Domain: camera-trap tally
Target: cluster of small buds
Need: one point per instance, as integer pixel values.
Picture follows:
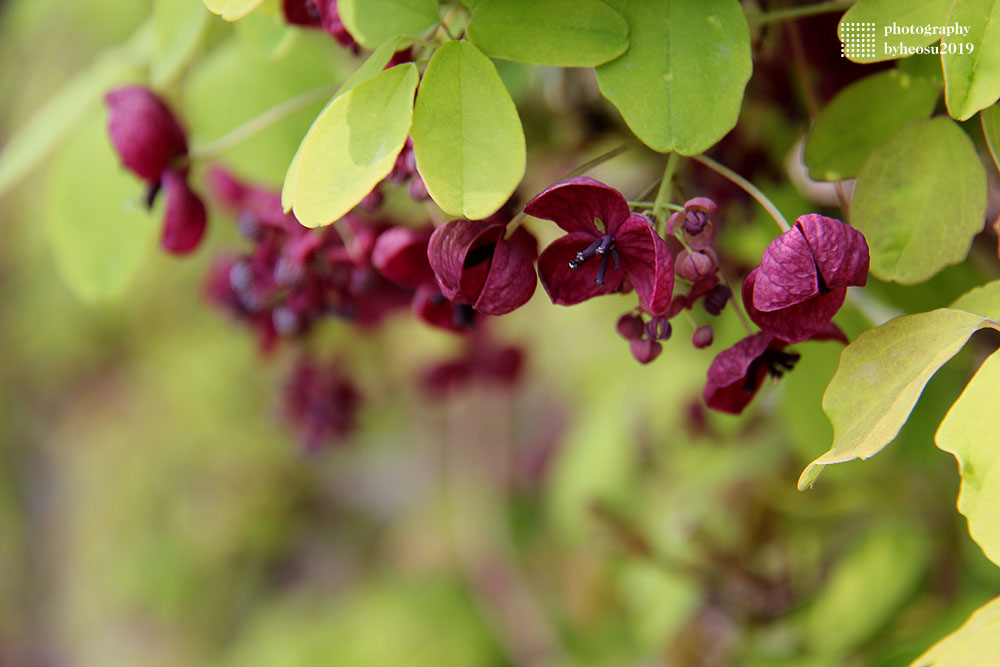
(644, 337)
(152, 144)
(696, 260)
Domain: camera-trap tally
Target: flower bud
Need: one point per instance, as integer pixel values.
(630, 327)
(694, 265)
(645, 351)
(703, 336)
(144, 132)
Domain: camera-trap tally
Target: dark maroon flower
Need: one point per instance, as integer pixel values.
(400, 254)
(184, 216)
(694, 222)
(476, 266)
(695, 265)
(737, 374)
(803, 277)
(605, 245)
(645, 350)
(702, 337)
(144, 132)
(320, 403)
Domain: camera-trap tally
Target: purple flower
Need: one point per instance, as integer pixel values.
(476, 266)
(803, 277)
(605, 245)
(144, 132)
(320, 403)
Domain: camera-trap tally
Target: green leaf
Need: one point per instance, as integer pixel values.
(972, 80)
(887, 13)
(865, 589)
(231, 10)
(64, 111)
(467, 136)
(862, 117)
(880, 378)
(352, 146)
(371, 22)
(558, 33)
(97, 223)
(265, 33)
(969, 431)
(679, 86)
(983, 300)
(178, 27)
(990, 118)
(978, 638)
(920, 199)
(369, 69)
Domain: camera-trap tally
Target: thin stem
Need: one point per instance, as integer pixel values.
(600, 159)
(651, 204)
(747, 186)
(790, 13)
(260, 123)
(663, 194)
(736, 305)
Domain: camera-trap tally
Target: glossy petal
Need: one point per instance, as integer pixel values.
(459, 253)
(840, 251)
(733, 379)
(184, 217)
(566, 286)
(787, 273)
(144, 132)
(574, 204)
(510, 282)
(798, 322)
(400, 254)
(647, 262)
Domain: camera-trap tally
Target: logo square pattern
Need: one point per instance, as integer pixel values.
(857, 40)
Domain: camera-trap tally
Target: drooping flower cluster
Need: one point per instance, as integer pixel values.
(152, 144)
(792, 296)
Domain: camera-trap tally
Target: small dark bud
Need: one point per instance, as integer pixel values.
(645, 351)
(694, 265)
(703, 337)
(716, 299)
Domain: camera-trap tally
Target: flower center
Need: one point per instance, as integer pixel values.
(603, 247)
(775, 362)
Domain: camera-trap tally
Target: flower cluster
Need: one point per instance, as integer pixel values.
(152, 144)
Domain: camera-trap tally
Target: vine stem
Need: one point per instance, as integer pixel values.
(260, 123)
(790, 13)
(747, 186)
(663, 193)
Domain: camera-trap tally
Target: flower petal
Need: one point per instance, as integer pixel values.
(839, 250)
(575, 203)
(566, 286)
(459, 253)
(729, 389)
(431, 306)
(510, 282)
(645, 350)
(184, 217)
(787, 273)
(144, 132)
(647, 262)
(400, 254)
(798, 322)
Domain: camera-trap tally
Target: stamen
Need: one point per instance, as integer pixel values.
(599, 247)
(602, 269)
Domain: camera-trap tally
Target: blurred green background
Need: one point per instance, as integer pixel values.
(155, 511)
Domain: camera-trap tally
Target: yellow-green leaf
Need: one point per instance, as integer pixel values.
(990, 118)
(970, 431)
(371, 22)
(352, 146)
(977, 642)
(467, 136)
(178, 26)
(679, 86)
(972, 78)
(983, 300)
(880, 378)
(231, 10)
(96, 220)
(920, 200)
(884, 14)
(557, 33)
